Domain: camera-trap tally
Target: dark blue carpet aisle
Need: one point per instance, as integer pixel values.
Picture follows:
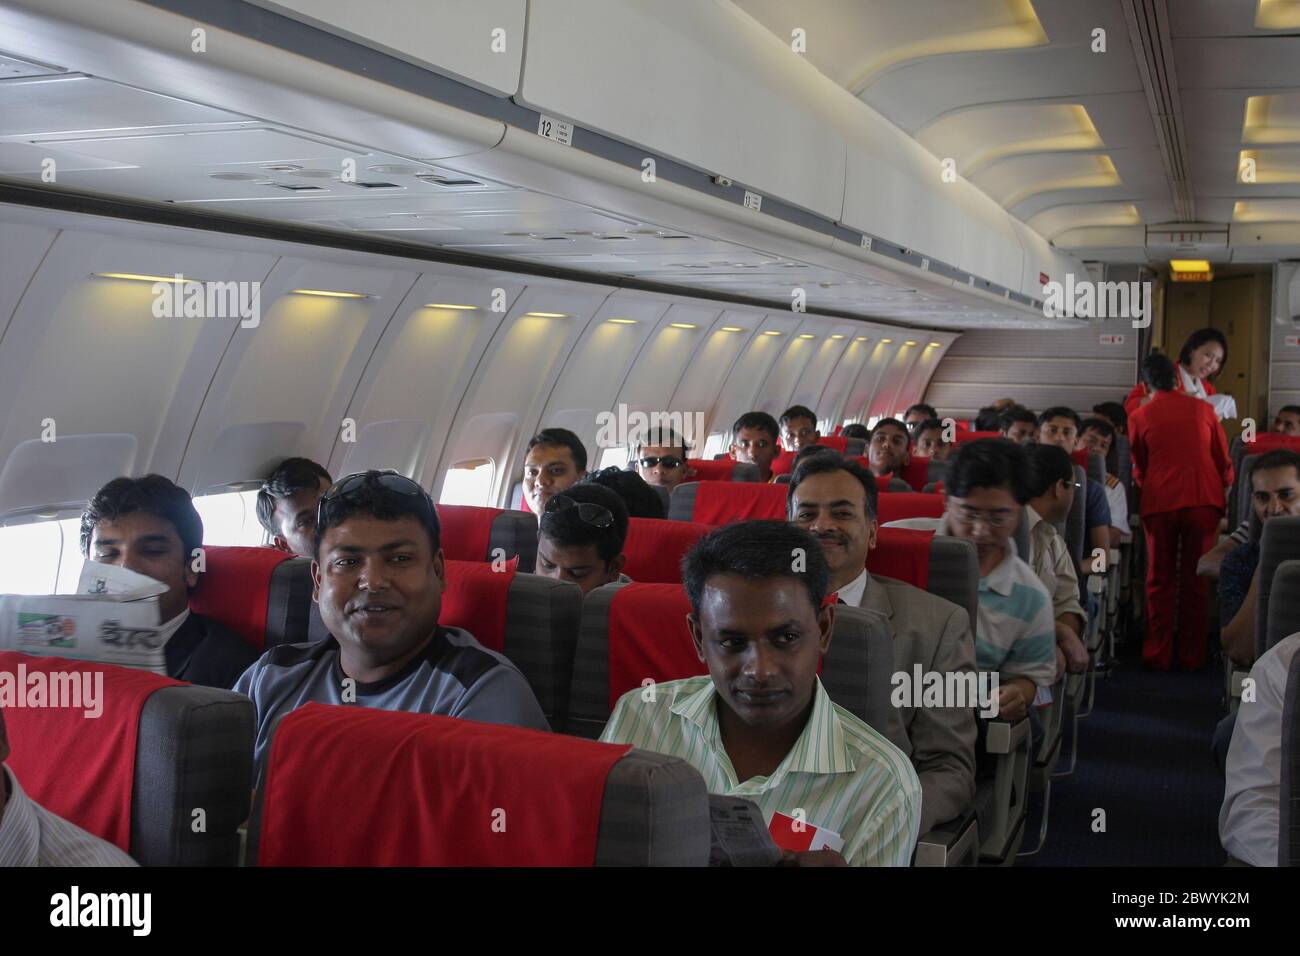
(1144, 758)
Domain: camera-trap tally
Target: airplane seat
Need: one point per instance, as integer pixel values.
(623, 643)
(1239, 493)
(722, 502)
(655, 548)
(1288, 845)
(935, 471)
(783, 463)
(944, 566)
(916, 473)
(842, 444)
(910, 504)
(962, 437)
(725, 469)
(134, 776)
(517, 500)
(1073, 529)
(258, 593)
(471, 533)
(1279, 543)
(485, 795)
(1021, 536)
(852, 447)
(1283, 611)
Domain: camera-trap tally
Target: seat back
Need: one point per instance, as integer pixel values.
(945, 566)
(1238, 452)
(471, 533)
(251, 591)
(154, 751)
(899, 505)
(1074, 529)
(1120, 464)
(655, 548)
(421, 790)
(721, 469)
(916, 473)
(633, 633)
(1021, 536)
(962, 437)
(1283, 614)
(722, 502)
(935, 471)
(1279, 542)
(1288, 844)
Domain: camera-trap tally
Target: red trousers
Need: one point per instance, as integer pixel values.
(1177, 604)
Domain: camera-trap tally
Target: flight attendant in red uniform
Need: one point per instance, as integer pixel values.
(1181, 463)
(1202, 355)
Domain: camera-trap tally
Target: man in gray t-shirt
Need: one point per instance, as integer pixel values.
(379, 577)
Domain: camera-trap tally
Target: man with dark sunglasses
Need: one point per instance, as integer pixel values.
(379, 576)
(661, 458)
(580, 537)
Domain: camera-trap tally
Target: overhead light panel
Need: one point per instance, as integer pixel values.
(807, 335)
(330, 295)
(934, 345)
(547, 315)
(134, 277)
(448, 305)
(683, 325)
(771, 332)
(861, 338)
(886, 341)
(909, 342)
(732, 328)
(622, 321)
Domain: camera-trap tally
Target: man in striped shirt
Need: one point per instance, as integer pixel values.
(761, 725)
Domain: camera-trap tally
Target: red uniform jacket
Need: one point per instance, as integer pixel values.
(1141, 391)
(1180, 454)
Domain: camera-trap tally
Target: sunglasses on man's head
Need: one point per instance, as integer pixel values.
(598, 516)
(669, 461)
(352, 484)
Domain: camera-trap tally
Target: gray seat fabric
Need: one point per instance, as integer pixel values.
(1283, 613)
(515, 533)
(935, 471)
(954, 574)
(1241, 491)
(854, 446)
(744, 471)
(194, 751)
(1121, 460)
(681, 503)
(1236, 452)
(898, 484)
(1021, 536)
(1075, 530)
(1288, 844)
(1279, 542)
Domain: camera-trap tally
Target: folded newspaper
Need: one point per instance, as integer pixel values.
(112, 619)
(739, 835)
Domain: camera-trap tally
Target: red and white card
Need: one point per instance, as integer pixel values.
(791, 833)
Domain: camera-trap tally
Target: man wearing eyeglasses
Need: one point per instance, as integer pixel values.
(580, 537)
(1052, 489)
(378, 578)
(755, 442)
(1015, 634)
(661, 458)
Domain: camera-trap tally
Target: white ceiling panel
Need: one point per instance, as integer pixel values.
(49, 106)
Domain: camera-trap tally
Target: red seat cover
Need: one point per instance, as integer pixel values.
(902, 553)
(908, 504)
(354, 786)
(475, 599)
(648, 638)
(1268, 441)
(1080, 457)
(962, 437)
(838, 442)
(78, 767)
(783, 463)
(655, 548)
(708, 469)
(722, 502)
(916, 472)
(466, 531)
(235, 589)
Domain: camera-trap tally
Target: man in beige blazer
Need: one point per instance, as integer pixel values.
(836, 500)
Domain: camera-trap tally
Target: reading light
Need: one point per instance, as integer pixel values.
(622, 321)
(547, 315)
(1189, 265)
(807, 335)
(143, 278)
(934, 345)
(837, 335)
(331, 295)
(682, 325)
(886, 341)
(771, 332)
(448, 305)
(861, 338)
(732, 328)
(909, 343)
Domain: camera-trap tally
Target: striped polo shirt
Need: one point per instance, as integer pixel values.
(840, 772)
(1015, 631)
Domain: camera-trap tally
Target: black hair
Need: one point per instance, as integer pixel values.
(152, 494)
(1098, 425)
(1199, 338)
(856, 430)
(757, 550)
(924, 426)
(927, 410)
(565, 526)
(988, 463)
(555, 437)
(1016, 414)
(825, 464)
(1115, 412)
(798, 411)
(890, 421)
(289, 477)
(640, 500)
(1290, 409)
(1059, 411)
(373, 500)
(1158, 372)
(1277, 458)
(1047, 464)
(663, 437)
(987, 419)
(760, 420)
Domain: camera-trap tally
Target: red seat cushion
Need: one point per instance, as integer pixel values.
(655, 548)
(722, 502)
(908, 504)
(421, 790)
(235, 589)
(475, 599)
(648, 638)
(707, 469)
(1080, 457)
(838, 442)
(783, 463)
(962, 437)
(1268, 441)
(466, 531)
(79, 767)
(902, 553)
(916, 472)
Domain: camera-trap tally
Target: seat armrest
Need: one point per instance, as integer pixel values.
(1004, 736)
(952, 843)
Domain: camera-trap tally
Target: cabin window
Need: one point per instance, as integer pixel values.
(31, 556)
(469, 483)
(230, 519)
(615, 457)
(715, 444)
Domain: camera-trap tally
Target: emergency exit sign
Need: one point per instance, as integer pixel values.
(1111, 338)
(1293, 341)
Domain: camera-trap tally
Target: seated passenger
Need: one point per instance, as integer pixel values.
(580, 537)
(1211, 562)
(835, 500)
(1287, 421)
(1096, 435)
(918, 413)
(761, 725)
(856, 430)
(149, 526)
(379, 578)
(556, 459)
(988, 419)
(929, 441)
(1014, 634)
(286, 504)
(887, 452)
(1249, 819)
(32, 836)
(640, 499)
(1019, 424)
(755, 441)
(799, 428)
(1113, 413)
(1274, 493)
(1060, 426)
(661, 458)
(1050, 480)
